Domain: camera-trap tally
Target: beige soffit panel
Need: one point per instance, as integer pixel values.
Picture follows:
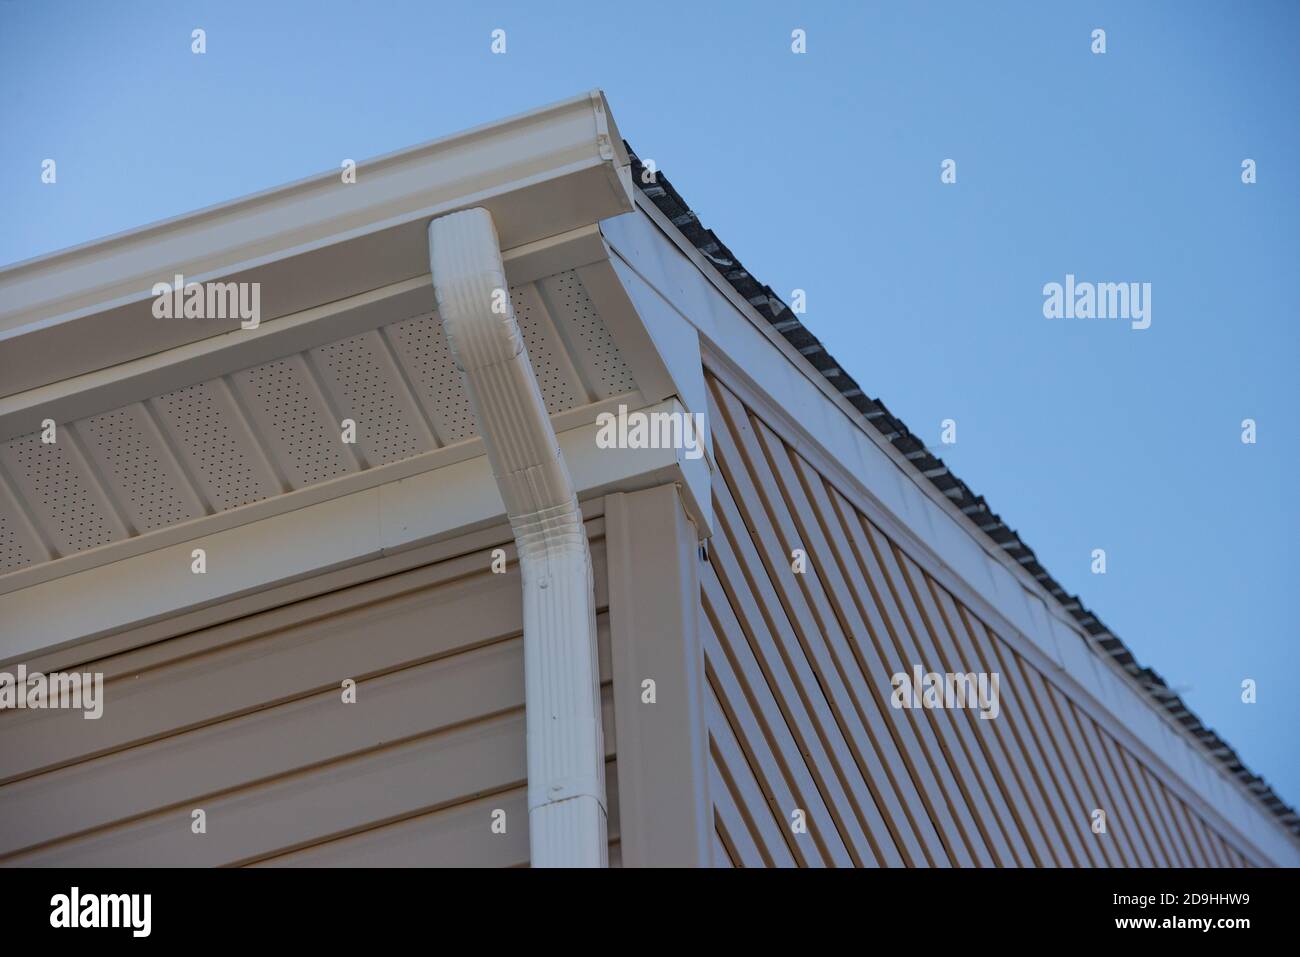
(318, 240)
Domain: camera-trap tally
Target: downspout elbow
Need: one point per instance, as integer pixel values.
(566, 766)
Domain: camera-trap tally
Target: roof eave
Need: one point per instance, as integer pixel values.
(540, 174)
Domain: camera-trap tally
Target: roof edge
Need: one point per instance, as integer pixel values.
(324, 238)
(982, 521)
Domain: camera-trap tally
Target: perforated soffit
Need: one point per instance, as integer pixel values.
(276, 427)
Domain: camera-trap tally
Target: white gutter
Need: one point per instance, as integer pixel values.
(566, 764)
(317, 241)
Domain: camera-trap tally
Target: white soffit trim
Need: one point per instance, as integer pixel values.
(540, 173)
(823, 425)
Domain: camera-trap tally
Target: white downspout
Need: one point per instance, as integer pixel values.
(566, 754)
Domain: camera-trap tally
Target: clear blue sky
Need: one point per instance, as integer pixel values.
(821, 172)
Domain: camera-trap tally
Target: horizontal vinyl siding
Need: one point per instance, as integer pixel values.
(245, 720)
(799, 713)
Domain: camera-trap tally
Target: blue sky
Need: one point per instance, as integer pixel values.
(821, 171)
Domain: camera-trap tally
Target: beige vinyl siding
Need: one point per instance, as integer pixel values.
(798, 669)
(244, 719)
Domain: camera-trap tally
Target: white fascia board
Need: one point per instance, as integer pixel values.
(148, 586)
(316, 241)
(826, 428)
